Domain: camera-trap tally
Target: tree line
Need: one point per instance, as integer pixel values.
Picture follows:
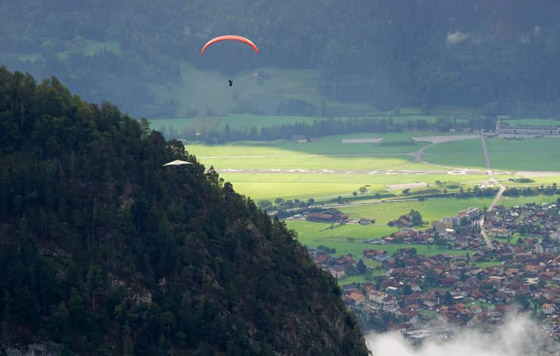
(327, 127)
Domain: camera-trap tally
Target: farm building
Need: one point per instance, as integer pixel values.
(331, 215)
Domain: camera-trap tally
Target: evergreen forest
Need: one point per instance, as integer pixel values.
(103, 251)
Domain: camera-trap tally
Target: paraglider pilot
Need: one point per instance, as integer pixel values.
(230, 82)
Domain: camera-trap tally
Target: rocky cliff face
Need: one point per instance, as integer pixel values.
(46, 349)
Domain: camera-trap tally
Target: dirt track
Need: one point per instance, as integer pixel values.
(441, 139)
(362, 140)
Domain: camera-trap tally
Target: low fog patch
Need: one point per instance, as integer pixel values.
(517, 336)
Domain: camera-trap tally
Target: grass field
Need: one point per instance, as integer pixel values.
(513, 155)
(533, 122)
(208, 92)
(327, 167)
(350, 238)
(464, 154)
(263, 89)
(508, 202)
(322, 186)
(356, 247)
(306, 162)
(177, 124)
(337, 168)
(435, 209)
(431, 209)
(529, 154)
(471, 161)
(327, 145)
(326, 153)
(473, 146)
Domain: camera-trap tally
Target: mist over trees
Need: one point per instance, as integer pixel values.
(479, 53)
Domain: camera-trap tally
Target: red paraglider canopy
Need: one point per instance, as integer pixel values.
(229, 38)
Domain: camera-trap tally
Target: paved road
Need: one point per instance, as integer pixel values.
(418, 154)
(487, 159)
(491, 182)
(497, 198)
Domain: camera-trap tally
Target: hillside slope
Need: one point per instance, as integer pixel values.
(104, 251)
(479, 53)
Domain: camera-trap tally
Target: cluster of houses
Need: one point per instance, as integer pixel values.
(419, 288)
(464, 217)
(338, 267)
(474, 288)
(406, 221)
(457, 232)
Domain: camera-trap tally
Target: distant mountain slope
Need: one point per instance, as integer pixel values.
(104, 251)
(478, 53)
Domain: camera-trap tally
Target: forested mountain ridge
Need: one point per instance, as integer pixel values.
(477, 53)
(104, 251)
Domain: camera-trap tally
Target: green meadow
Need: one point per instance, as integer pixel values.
(467, 160)
(350, 238)
(321, 186)
(464, 154)
(328, 168)
(356, 246)
(323, 168)
(305, 162)
(529, 154)
(533, 122)
(431, 209)
(264, 89)
(472, 146)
